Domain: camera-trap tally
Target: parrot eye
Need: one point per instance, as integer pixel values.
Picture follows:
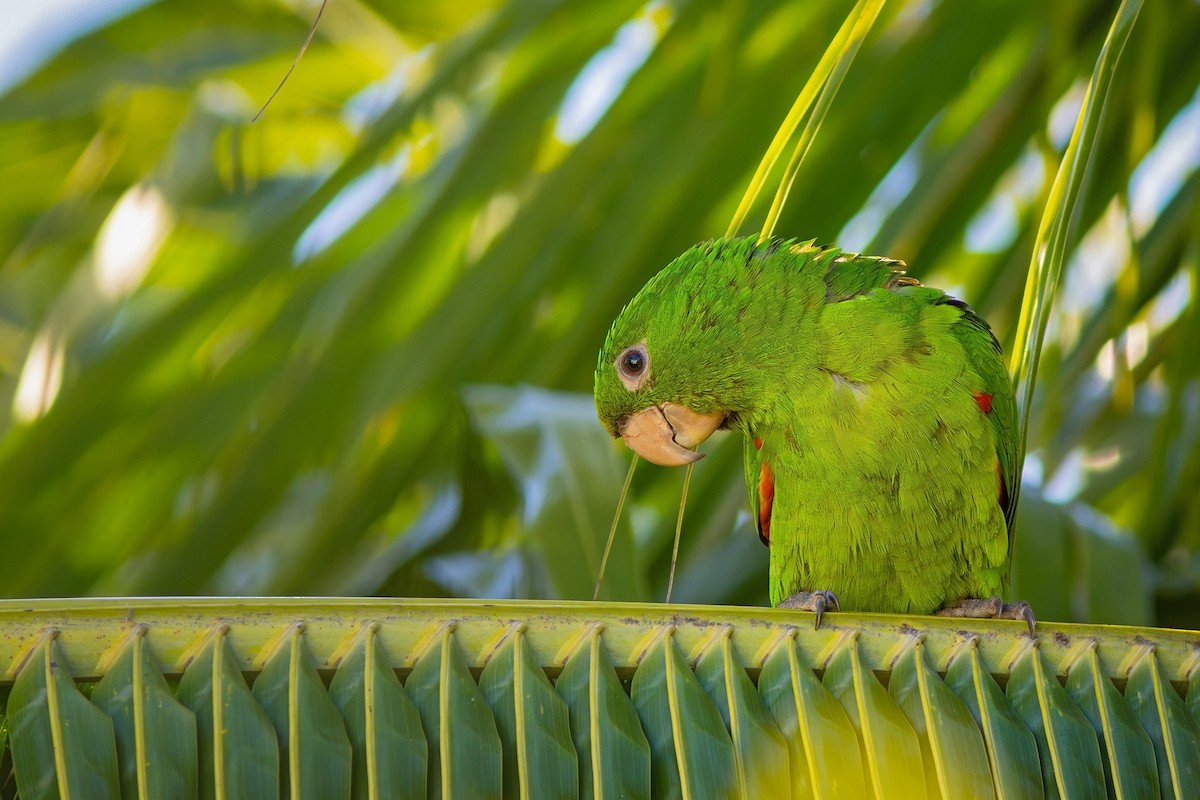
(633, 363)
(633, 366)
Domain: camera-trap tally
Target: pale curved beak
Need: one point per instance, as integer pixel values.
(667, 433)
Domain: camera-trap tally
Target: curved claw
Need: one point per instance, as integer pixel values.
(1019, 610)
(818, 602)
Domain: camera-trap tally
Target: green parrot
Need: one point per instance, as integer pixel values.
(879, 420)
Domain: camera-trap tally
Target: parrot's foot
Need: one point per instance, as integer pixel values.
(989, 608)
(817, 602)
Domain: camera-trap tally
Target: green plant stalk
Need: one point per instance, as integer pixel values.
(862, 26)
(848, 38)
(92, 630)
(612, 532)
(1050, 245)
(687, 479)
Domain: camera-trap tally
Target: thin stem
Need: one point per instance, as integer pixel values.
(799, 109)
(612, 532)
(868, 11)
(304, 47)
(687, 479)
(1049, 248)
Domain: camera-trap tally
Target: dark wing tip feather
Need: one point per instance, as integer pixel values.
(971, 318)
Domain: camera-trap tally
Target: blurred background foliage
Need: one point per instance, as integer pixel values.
(348, 348)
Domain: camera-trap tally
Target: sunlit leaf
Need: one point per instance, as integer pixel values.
(1012, 748)
(759, 748)
(1170, 724)
(952, 749)
(691, 753)
(890, 748)
(1067, 745)
(822, 746)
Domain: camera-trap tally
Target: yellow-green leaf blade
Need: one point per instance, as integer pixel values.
(1012, 749)
(1171, 727)
(239, 754)
(864, 15)
(62, 745)
(614, 756)
(953, 754)
(823, 752)
(759, 749)
(1128, 754)
(311, 733)
(156, 735)
(539, 754)
(848, 38)
(1070, 754)
(891, 752)
(465, 758)
(1050, 245)
(390, 751)
(691, 753)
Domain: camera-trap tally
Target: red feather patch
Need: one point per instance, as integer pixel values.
(766, 498)
(757, 443)
(984, 401)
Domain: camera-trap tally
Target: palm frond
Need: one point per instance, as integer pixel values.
(519, 698)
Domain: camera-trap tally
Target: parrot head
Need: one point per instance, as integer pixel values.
(676, 364)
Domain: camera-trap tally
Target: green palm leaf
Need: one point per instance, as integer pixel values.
(539, 754)
(312, 736)
(1066, 742)
(691, 753)
(808, 712)
(156, 735)
(62, 745)
(388, 742)
(1125, 746)
(614, 756)
(952, 749)
(465, 758)
(1173, 731)
(759, 749)
(888, 744)
(238, 751)
(822, 745)
(1012, 748)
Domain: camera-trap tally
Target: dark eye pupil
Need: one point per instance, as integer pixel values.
(635, 362)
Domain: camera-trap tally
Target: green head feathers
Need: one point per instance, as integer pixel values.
(704, 333)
